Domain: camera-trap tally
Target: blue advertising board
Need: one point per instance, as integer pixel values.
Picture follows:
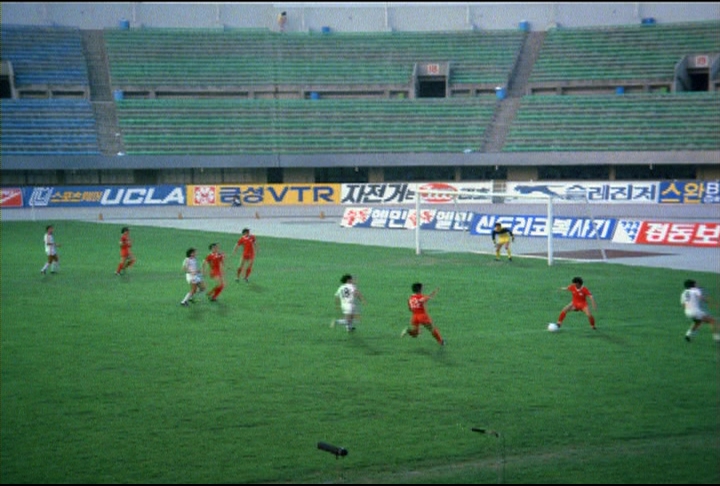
(104, 196)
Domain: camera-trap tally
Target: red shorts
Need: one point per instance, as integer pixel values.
(420, 319)
(124, 253)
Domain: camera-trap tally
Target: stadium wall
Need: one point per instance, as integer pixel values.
(37, 170)
(354, 17)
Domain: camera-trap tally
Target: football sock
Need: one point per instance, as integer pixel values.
(187, 297)
(217, 290)
(436, 335)
(248, 271)
(45, 267)
(592, 321)
(120, 268)
(509, 253)
(561, 318)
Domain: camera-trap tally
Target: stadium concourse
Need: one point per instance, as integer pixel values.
(322, 223)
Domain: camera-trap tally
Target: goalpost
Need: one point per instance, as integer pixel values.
(511, 203)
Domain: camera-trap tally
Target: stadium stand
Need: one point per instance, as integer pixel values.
(652, 121)
(47, 127)
(291, 126)
(641, 55)
(229, 92)
(167, 60)
(47, 61)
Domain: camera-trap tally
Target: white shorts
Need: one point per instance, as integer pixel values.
(193, 279)
(348, 309)
(697, 315)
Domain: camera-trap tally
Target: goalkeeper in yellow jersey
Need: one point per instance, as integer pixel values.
(502, 237)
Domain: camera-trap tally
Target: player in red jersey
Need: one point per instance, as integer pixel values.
(580, 296)
(127, 259)
(216, 263)
(419, 316)
(247, 241)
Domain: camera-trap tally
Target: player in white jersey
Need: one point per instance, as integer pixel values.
(51, 251)
(348, 299)
(193, 275)
(694, 302)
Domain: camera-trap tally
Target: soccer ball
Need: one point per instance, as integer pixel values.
(552, 327)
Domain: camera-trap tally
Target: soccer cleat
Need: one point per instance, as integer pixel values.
(184, 304)
(442, 343)
(246, 280)
(510, 259)
(43, 272)
(350, 328)
(687, 338)
(716, 337)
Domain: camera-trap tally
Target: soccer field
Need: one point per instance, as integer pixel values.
(108, 379)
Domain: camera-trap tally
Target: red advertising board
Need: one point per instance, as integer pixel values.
(11, 197)
(679, 234)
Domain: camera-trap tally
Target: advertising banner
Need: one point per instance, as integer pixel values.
(705, 235)
(404, 192)
(104, 196)
(432, 219)
(563, 227)
(263, 194)
(689, 192)
(477, 224)
(12, 197)
(596, 192)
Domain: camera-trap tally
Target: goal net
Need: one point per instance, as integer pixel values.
(548, 227)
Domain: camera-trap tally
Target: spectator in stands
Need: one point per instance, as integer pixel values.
(237, 200)
(282, 21)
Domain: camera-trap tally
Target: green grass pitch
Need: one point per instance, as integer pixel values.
(108, 379)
